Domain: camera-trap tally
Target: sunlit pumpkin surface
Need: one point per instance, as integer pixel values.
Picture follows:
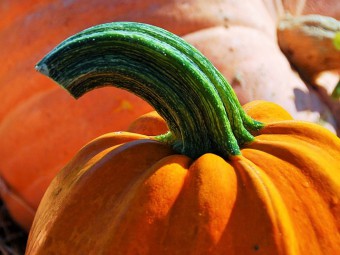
(280, 197)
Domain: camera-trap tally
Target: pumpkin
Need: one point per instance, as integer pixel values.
(223, 179)
(42, 128)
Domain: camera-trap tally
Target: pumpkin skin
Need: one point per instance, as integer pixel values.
(25, 175)
(149, 124)
(127, 193)
(139, 197)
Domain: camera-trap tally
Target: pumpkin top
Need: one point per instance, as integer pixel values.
(200, 107)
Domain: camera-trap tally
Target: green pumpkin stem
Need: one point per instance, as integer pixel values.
(200, 107)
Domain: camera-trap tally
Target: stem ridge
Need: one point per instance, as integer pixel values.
(198, 104)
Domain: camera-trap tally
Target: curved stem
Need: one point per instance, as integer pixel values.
(198, 104)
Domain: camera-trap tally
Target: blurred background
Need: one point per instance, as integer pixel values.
(287, 52)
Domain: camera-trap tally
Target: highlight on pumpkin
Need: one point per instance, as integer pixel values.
(129, 193)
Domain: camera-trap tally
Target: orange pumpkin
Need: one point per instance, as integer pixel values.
(219, 182)
(41, 128)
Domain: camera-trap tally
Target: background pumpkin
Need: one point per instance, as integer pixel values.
(35, 115)
(193, 190)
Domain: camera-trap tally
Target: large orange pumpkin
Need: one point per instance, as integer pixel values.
(41, 128)
(219, 182)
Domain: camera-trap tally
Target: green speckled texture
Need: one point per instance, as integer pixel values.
(200, 107)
